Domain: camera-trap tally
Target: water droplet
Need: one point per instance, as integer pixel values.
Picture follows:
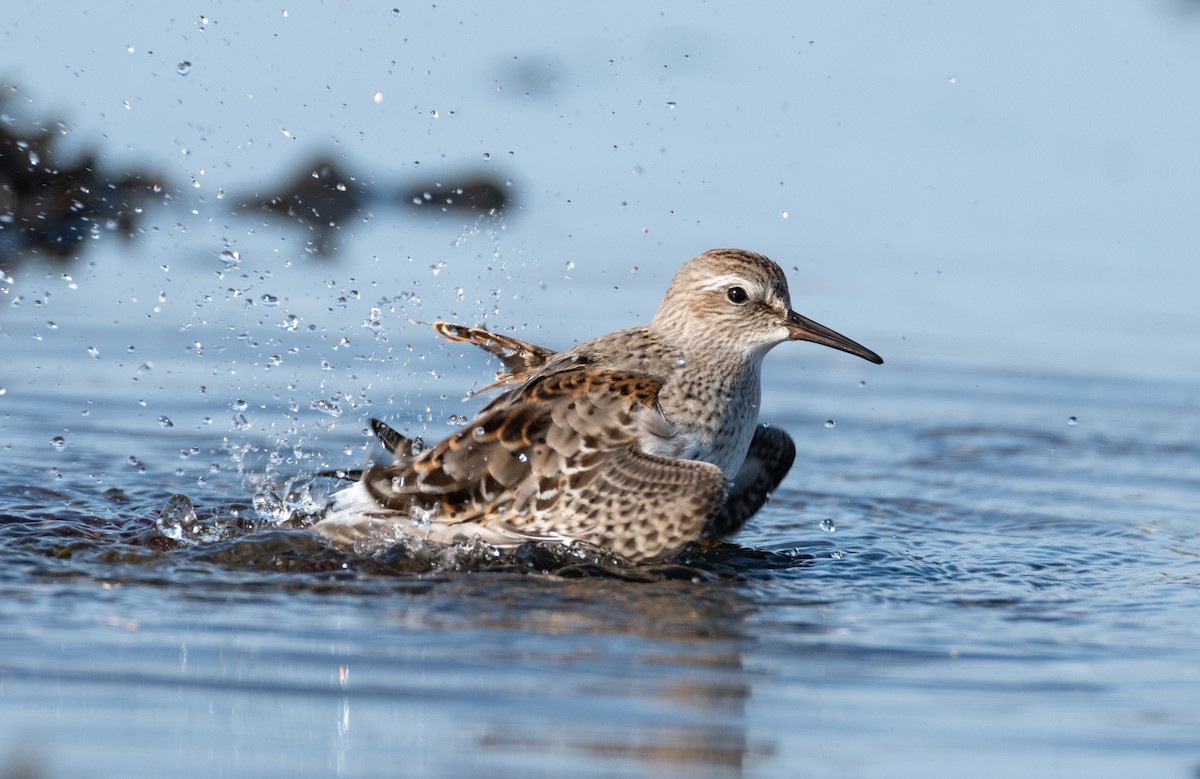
(58, 442)
(94, 352)
(680, 362)
(240, 422)
(828, 525)
(165, 422)
(480, 432)
(175, 515)
(671, 104)
(377, 97)
(326, 406)
(270, 504)
(1072, 421)
(830, 423)
(229, 258)
(836, 555)
(269, 300)
(239, 405)
(183, 68)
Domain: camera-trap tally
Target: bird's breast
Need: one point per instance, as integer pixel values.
(707, 420)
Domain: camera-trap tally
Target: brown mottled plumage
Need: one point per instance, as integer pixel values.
(640, 441)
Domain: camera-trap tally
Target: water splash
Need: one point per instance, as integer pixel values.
(176, 515)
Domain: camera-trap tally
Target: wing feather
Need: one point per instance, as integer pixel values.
(557, 457)
(519, 358)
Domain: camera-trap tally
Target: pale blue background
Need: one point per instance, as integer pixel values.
(1010, 185)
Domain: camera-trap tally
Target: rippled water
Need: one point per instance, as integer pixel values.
(984, 572)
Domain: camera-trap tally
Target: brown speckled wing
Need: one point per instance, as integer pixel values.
(558, 458)
(519, 358)
(642, 506)
(767, 461)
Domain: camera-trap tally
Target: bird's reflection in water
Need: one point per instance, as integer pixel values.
(608, 669)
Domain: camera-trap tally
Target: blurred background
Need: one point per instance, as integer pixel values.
(1009, 187)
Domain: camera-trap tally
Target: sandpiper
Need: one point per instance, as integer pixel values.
(641, 441)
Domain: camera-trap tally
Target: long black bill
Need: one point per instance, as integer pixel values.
(804, 329)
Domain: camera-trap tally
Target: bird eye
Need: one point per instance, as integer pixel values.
(736, 295)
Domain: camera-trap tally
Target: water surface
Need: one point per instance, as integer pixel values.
(954, 575)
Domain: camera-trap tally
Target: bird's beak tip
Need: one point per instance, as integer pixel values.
(803, 329)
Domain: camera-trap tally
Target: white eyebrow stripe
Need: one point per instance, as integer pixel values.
(720, 283)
